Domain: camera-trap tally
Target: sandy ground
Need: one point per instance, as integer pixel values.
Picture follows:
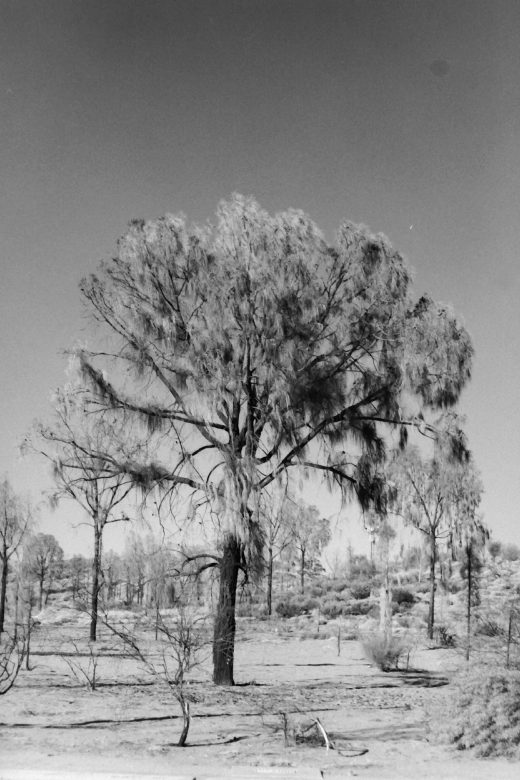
(51, 726)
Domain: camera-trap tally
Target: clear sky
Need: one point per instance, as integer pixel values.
(402, 114)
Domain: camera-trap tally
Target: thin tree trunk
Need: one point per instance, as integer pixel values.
(29, 632)
(224, 630)
(96, 568)
(509, 635)
(16, 608)
(3, 593)
(40, 595)
(433, 585)
(468, 604)
(302, 572)
(186, 720)
(270, 582)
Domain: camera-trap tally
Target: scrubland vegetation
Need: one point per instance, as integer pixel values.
(237, 360)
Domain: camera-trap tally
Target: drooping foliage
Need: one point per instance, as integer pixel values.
(253, 347)
(258, 339)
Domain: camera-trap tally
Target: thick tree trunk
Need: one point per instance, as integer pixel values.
(3, 593)
(433, 586)
(224, 630)
(270, 582)
(96, 568)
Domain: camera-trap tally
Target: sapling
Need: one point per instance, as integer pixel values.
(179, 652)
(85, 671)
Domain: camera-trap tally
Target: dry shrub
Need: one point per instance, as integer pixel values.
(294, 606)
(385, 651)
(483, 713)
(83, 665)
(332, 608)
(12, 652)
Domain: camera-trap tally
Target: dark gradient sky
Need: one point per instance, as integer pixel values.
(402, 115)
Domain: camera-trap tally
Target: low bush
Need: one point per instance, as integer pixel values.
(444, 636)
(244, 610)
(361, 590)
(490, 628)
(403, 596)
(296, 605)
(332, 608)
(384, 651)
(251, 610)
(455, 586)
(359, 607)
(422, 587)
(339, 585)
(483, 714)
(314, 635)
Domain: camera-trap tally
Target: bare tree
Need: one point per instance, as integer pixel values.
(15, 519)
(12, 652)
(438, 496)
(77, 569)
(134, 562)
(275, 511)
(310, 534)
(43, 559)
(180, 644)
(85, 448)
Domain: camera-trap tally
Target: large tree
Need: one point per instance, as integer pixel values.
(15, 520)
(252, 347)
(439, 496)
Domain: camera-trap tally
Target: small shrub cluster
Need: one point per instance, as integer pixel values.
(384, 651)
(251, 610)
(339, 585)
(332, 608)
(360, 590)
(296, 605)
(403, 597)
(490, 628)
(484, 713)
(358, 607)
(444, 636)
